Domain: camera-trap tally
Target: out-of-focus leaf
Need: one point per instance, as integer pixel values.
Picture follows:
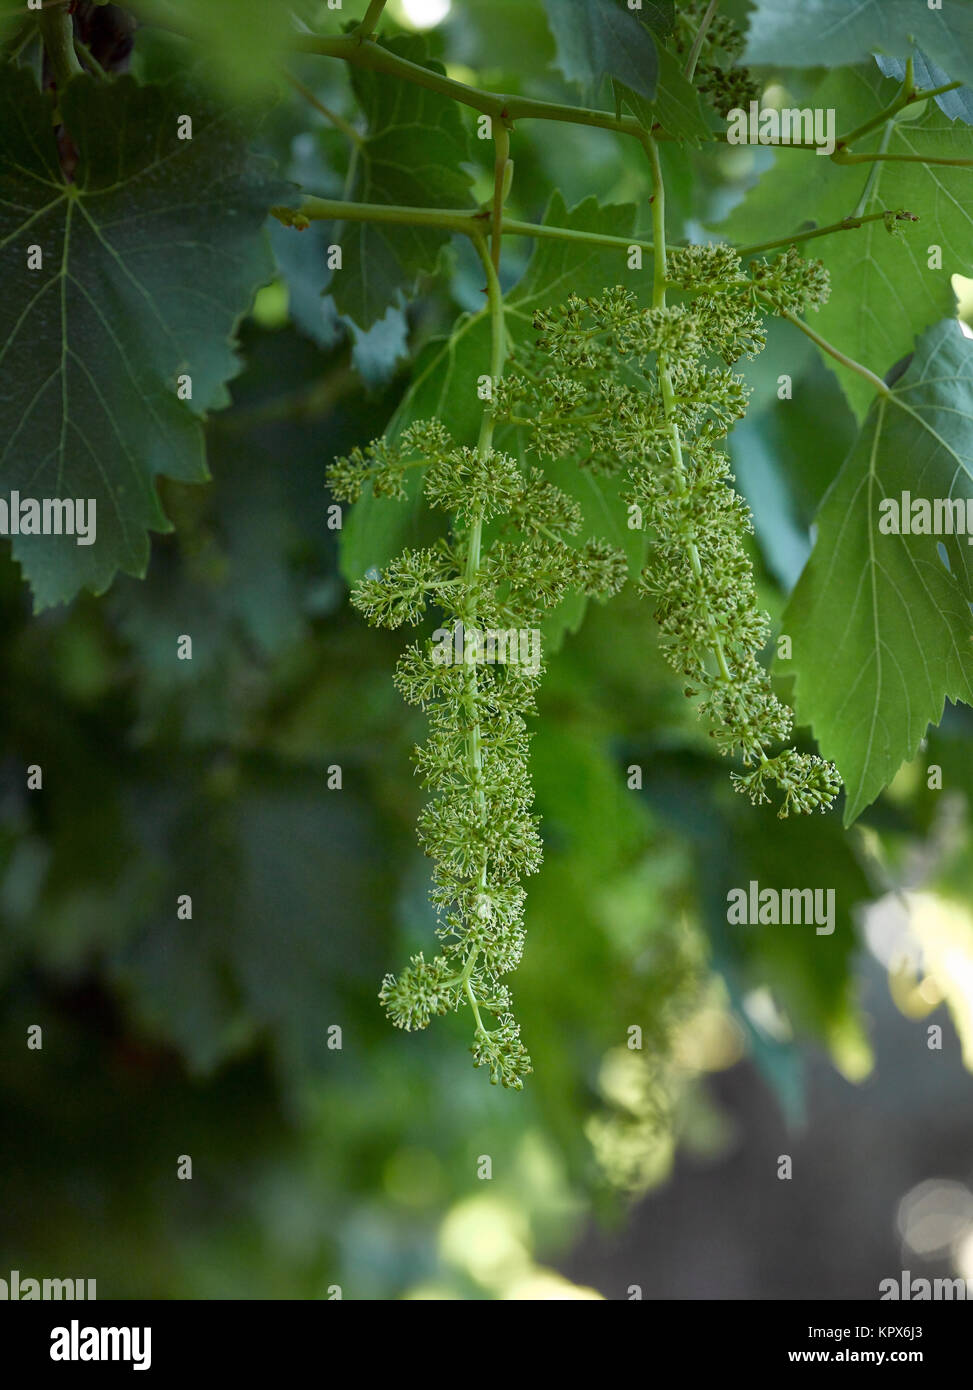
(244, 40)
(277, 881)
(788, 448)
(809, 977)
(832, 33)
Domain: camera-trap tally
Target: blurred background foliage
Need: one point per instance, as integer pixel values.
(316, 1167)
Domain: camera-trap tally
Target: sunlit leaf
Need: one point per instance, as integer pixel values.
(881, 623)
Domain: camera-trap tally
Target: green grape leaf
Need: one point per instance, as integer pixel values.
(884, 288)
(880, 623)
(676, 107)
(659, 15)
(957, 104)
(598, 39)
(415, 144)
(444, 387)
(148, 259)
(829, 33)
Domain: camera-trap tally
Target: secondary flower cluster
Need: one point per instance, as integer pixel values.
(718, 76)
(478, 829)
(633, 389)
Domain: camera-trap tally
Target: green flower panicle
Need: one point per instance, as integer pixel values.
(647, 394)
(476, 678)
(646, 398)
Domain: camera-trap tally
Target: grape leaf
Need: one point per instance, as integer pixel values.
(957, 104)
(883, 290)
(412, 153)
(828, 33)
(659, 15)
(149, 258)
(676, 106)
(444, 383)
(880, 623)
(301, 257)
(598, 39)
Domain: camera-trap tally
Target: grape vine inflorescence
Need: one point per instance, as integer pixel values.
(718, 75)
(478, 828)
(625, 390)
(633, 390)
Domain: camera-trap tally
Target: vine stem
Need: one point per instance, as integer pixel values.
(351, 48)
(472, 224)
(83, 52)
(902, 98)
(906, 96)
(842, 158)
(660, 274)
(876, 382)
(875, 172)
(694, 52)
(501, 143)
(846, 224)
(474, 745)
(368, 54)
(57, 33)
(339, 122)
(313, 209)
(500, 106)
(370, 22)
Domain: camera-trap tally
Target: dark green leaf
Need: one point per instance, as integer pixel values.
(149, 258)
(415, 144)
(598, 39)
(676, 107)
